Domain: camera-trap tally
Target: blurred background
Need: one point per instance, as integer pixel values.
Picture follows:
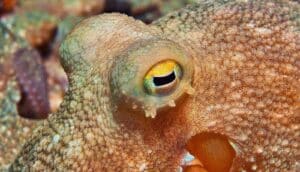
(32, 81)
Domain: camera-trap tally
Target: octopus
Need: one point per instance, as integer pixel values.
(212, 87)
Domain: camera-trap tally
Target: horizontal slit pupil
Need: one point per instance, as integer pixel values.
(159, 81)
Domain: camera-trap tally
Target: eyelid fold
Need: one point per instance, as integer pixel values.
(131, 68)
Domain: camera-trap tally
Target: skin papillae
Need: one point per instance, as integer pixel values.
(242, 59)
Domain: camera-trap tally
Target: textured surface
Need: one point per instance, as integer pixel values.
(31, 77)
(21, 64)
(246, 78)
(13, 129)
(22, 82)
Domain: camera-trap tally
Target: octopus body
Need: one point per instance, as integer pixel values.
(139, 93)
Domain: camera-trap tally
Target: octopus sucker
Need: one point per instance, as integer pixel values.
(230, 66)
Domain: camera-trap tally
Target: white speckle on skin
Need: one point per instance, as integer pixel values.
(55, 138)
(88, 95)
(235, 83)
(149, 151)
(243, 137)
(211, 123)
(252, 159)
(237, 111)
(236, 96)
(251, 25)
(285, 142)
(239, 57)
(263, 31)
(36, 164)
(26, 130)
(90, 136)
(259, 149)
(99, 119)
(110, 151)
(143, 167)
(254, 167)
(73, 104)
(74, 148)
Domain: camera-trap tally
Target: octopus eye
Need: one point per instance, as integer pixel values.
(163, 78)
(151, 77)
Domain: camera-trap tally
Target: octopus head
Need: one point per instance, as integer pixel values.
(146, 77)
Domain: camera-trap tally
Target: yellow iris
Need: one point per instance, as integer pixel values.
(161, 69)
(162, 77)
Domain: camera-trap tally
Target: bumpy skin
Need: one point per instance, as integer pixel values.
(246, 79)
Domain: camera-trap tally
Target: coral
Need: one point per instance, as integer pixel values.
(22, 89)
(234, 72)
(13, 129)
(18, 56)
(31, 76)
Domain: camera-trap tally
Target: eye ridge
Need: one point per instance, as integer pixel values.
(163, 80)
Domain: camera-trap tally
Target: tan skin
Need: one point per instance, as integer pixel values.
(241, 77)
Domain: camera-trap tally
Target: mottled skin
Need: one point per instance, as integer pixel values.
(246, 76)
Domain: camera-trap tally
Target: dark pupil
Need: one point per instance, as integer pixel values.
(159, 81)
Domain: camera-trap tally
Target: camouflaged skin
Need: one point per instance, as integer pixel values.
(246, 80)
